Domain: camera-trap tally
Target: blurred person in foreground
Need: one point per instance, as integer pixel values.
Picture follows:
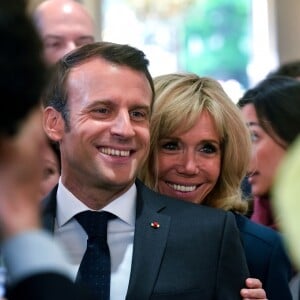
(36, 266)
(287, 187)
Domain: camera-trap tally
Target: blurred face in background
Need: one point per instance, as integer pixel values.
(63, 26)
(51, 170)
(266, 154)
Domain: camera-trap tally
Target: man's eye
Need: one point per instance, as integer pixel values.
(102, 110)
(84, 41)
(53, 44)
(138, 115)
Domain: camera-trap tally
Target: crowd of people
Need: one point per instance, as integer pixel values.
(165, 157)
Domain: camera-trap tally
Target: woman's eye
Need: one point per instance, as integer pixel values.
(208, 148)
(254, 136)
(170, 146)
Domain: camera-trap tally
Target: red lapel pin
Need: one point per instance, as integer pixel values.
(155, 225)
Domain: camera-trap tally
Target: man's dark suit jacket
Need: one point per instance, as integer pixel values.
(196, 253)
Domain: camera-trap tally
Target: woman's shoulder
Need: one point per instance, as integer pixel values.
(255, 231)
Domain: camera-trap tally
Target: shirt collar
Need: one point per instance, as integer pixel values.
(68, 205)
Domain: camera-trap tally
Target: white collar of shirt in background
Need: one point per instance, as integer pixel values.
(120, 234)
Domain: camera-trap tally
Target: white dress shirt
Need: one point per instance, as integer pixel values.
(120, 233)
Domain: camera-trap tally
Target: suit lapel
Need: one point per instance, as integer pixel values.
(149, 244)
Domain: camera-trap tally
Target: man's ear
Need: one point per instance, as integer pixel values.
(53, 123)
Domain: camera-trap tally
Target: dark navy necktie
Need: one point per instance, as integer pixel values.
(94, 269)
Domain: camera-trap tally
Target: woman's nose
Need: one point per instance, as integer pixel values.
(189, 164)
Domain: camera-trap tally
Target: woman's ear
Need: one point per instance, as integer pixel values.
(53, 123)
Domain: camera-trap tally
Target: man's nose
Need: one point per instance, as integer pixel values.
(122, 125)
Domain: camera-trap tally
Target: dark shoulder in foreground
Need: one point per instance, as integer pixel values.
(36, 287)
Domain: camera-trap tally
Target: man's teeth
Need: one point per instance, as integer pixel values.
(182, 188)
(114, 152)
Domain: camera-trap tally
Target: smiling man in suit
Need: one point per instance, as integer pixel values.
(98, 108)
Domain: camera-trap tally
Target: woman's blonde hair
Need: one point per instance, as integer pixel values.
(179, 100)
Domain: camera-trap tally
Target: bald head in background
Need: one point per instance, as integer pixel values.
(63, 25)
